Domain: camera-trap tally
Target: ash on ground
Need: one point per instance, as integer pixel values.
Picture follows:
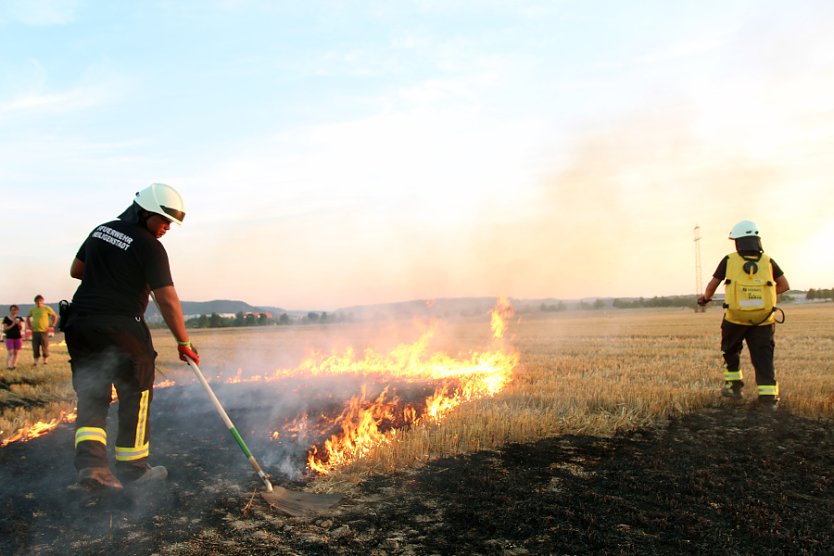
(727, 479)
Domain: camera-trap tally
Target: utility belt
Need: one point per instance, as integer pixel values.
(66, 313)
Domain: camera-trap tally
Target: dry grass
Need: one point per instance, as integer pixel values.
(35, 393)
(590, 373)
(599, 373)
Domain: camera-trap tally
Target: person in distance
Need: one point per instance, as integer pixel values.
(752, 282)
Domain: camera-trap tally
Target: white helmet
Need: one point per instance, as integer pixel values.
(745, 228)
(163, 200)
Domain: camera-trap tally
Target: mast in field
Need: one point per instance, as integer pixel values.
(699, 288)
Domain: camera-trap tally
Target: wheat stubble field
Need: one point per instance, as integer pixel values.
(610, 438)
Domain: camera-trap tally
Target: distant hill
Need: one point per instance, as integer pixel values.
(441, 308)
(191, 308)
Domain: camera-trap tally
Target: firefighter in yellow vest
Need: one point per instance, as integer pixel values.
(752, 281)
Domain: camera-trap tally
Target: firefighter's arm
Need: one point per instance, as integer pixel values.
(77, 269)
(709, 291)
(169, 305)
(782, 284)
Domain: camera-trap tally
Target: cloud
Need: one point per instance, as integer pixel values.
(447, 150)
(40, 13)
(66, 101)
(30, 92)
(690, 49)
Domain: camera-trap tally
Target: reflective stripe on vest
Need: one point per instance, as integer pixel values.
(93, 434)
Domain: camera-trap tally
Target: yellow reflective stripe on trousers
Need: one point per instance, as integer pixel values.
(130, 454)
(141, 448)
(769, 390)
(732, 375)
(94, 434)
(142, 420)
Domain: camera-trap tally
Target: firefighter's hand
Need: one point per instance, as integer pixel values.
(188, 352)
(703, 301)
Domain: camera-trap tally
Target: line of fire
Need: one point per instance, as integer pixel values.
(407, 386)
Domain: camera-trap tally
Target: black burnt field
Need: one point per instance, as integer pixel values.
(728, 479)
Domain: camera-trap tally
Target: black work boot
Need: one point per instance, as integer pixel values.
(98, 478)
(768, 403)
(732, 389)
(156, 473)
(144, 475)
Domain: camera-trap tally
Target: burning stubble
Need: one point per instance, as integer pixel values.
(347, 403)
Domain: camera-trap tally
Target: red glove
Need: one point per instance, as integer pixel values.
(188, 352)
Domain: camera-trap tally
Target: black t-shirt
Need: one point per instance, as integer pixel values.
(721, 272)
(13, 333)
(123, 262)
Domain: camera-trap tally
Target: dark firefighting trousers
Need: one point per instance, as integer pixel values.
(761, 345)
(117, 351)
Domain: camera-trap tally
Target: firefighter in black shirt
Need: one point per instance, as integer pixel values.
(119, 265)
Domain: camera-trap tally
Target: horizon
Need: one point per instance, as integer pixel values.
(355, 153)
(718, 295)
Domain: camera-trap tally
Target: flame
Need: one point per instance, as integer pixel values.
(39, 428)
(366, 423)
(298, 430)
(238, 378)
(360, 423)
(366, 420)
(499, 317)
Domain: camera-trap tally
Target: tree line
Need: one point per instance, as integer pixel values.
(240, 319)
(617, 303)
(215, 320)
(820, 294)
(656, 301)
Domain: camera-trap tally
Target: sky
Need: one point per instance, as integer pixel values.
(343, 153)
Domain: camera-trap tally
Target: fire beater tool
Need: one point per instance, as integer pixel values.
(291, 502)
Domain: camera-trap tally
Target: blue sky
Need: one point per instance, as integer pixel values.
(339, 153)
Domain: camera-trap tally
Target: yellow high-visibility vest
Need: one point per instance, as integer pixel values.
(749, 291)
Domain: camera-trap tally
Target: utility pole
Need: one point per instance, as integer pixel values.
(698, 282)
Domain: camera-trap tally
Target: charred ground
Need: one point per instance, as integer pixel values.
(727, 479)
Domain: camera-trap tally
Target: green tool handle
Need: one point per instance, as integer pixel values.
(230, 425)
(223, 415)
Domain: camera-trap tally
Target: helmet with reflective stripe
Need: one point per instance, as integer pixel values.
(745, 228)
(163, 200)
